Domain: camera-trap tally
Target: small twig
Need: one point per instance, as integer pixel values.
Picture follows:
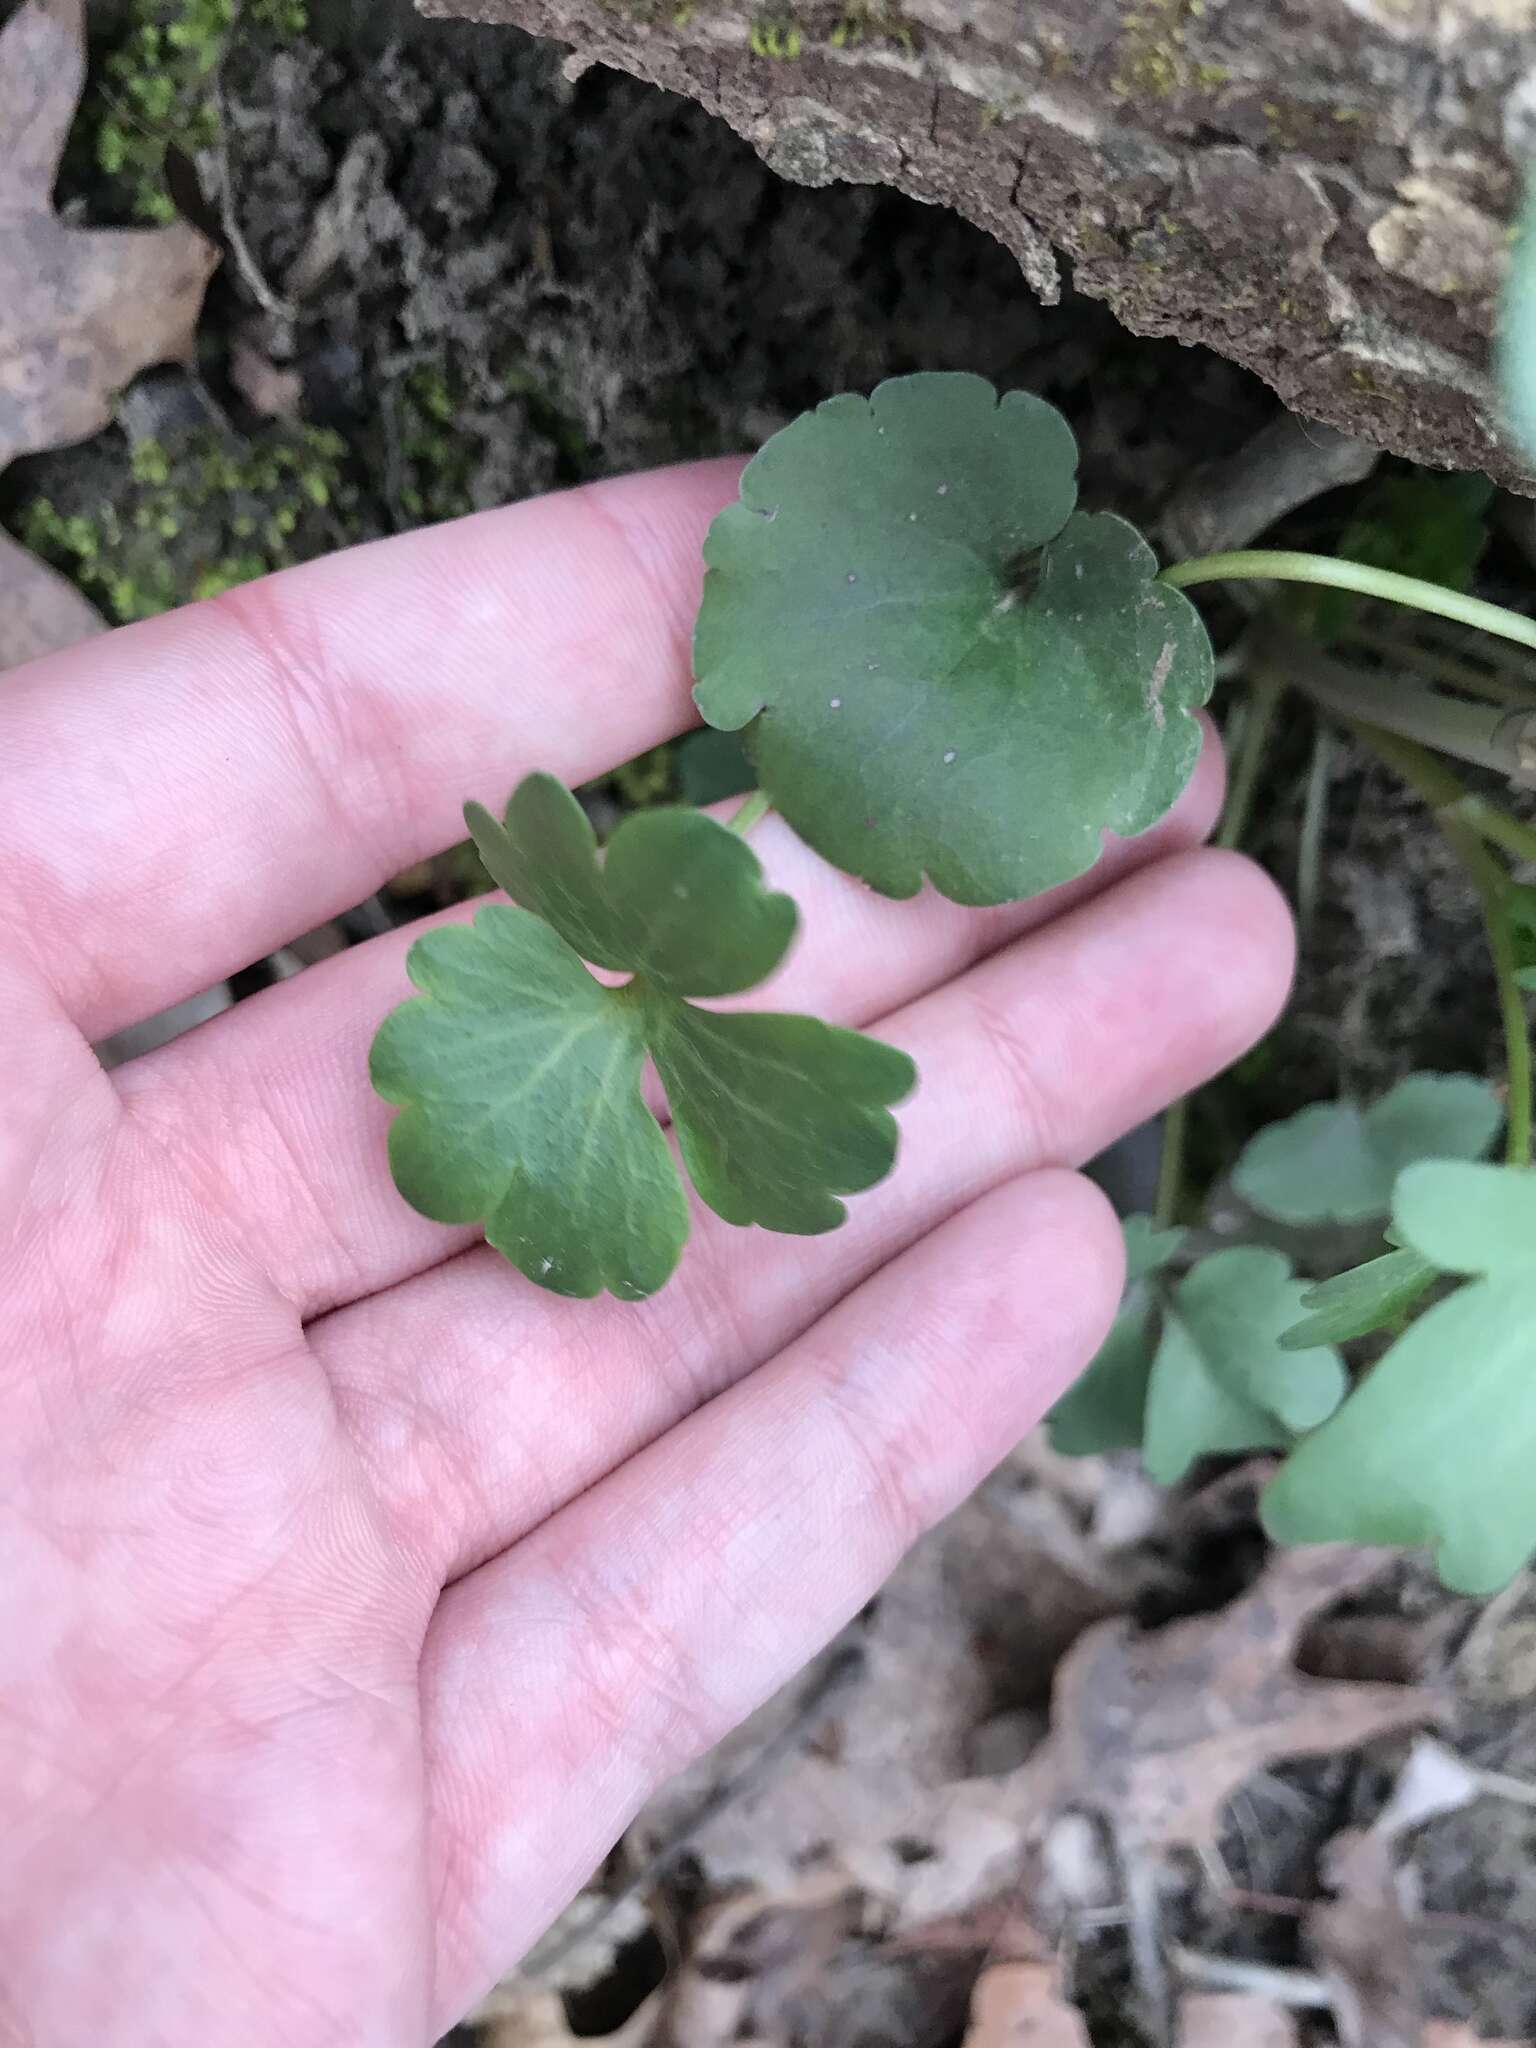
(842, 1667)
(270, 301)
(1314, 824)
(1502, 1785)
(1288, 463)
(1138, 1880)
(1302, 1989)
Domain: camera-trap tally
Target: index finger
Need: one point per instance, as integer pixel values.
(185, 795)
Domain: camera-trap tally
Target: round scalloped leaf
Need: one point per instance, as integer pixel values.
(1335, 1163)
(945, 669)
(1469, 1217)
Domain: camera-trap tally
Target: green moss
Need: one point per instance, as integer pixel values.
(776, 35)
(880, 21)
(156, 88)
(437, 456)
(651, 778)
(195, 517)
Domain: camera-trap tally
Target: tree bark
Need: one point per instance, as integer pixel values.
(1322, 190)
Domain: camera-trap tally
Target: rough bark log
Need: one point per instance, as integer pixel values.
(1320, 189)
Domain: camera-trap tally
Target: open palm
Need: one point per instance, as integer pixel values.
(353, 1592)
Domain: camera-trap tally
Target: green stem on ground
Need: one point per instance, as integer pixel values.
(754, 809)
(1445, 797)
(1170, 1167)
(1285, 565)
(1501, 686)
(1487, 736)
(1497, 826)
(1264, 694)
(1446, 793)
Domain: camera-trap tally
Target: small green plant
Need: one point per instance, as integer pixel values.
(941, 669)
(158, 87)
(195, 515)
(1224, 1350)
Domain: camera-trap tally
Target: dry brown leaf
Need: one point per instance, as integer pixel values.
(1457, 2034)
(1157, 1730)
(538, 2020)
(1017, 2000)
(753, 1958)
(1234, 2019)
(81, 309)
(39, 611)
(1363, 1941)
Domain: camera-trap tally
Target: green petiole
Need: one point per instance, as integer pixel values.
(1285, 565)
(754, 809)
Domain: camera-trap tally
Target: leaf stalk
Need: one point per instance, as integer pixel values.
(1287, 565)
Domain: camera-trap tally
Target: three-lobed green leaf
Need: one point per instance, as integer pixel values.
(1220, 1380)
(1437, 1444)
(945, 669)
(1198, 1368)
(1335, 1163)
(1105, 1408)
(518, 1074)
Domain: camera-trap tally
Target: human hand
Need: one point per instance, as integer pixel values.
(354, 1592)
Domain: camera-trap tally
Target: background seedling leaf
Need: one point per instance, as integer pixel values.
(1428, 524)
(1220, 1380)
(1334, 1163)
(518, 1073)
(950, 672)
(1366, 1298)
(82, 310)
(1435, 1446)
(1469, 1218)
(1105, 1408)
(1147, 1248)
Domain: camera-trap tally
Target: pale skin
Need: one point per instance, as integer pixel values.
(353, 1591)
